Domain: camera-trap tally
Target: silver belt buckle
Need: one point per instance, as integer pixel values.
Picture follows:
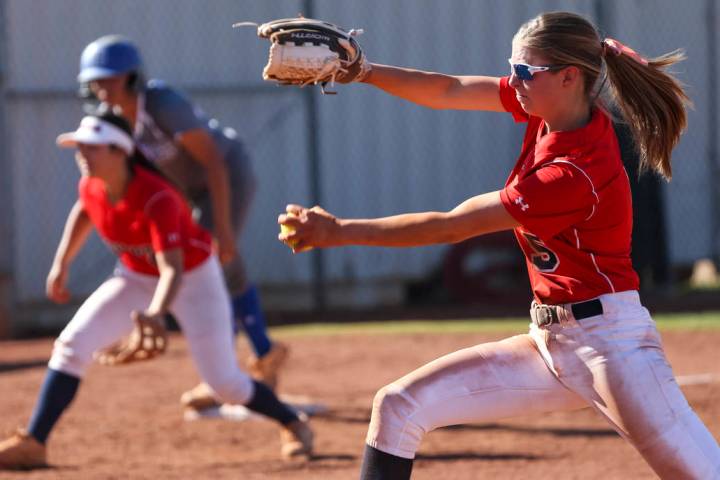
(543, 315)
(565, 315)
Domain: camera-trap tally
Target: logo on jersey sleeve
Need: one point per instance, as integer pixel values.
(173, 237)
(520, 201)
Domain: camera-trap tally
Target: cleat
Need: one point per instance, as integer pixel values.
(22, 452)
(266, 368)
(201, 397)
(296, 439)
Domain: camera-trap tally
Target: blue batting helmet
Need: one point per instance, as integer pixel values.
(108, 56)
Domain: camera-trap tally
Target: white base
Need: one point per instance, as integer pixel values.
(240, 413)
(697, 379)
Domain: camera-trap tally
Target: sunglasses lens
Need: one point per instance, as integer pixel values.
(522, 72)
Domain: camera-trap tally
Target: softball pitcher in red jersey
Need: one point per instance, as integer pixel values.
(591, 342)
(166, 265)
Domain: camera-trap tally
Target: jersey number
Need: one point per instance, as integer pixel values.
(542, 257)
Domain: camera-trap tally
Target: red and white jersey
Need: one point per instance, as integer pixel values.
(571, 195)
(151, 217)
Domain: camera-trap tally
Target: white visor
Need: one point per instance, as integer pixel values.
(94, 131)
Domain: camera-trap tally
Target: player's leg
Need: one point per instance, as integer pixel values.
(269, 355)
(624, 374)
(101, 320)
(248, 315)
(478, 384)
(202, 309)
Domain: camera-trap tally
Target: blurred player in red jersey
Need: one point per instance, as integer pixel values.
(207, 162)
(166, 265)
(591, 342)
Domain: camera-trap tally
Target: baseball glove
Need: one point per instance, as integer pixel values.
(305, 51)
(147, 340)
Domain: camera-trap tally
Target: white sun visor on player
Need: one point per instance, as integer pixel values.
(94, 131)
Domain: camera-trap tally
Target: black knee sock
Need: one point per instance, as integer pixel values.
(379, 465)
(57, 391)
(266, 402)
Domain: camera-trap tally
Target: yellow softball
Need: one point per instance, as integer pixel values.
(285, 229)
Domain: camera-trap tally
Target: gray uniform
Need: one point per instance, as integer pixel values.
(163, 114)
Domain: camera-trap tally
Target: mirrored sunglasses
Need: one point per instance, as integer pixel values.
(525, 72)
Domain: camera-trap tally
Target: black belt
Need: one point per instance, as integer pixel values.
(548, 314)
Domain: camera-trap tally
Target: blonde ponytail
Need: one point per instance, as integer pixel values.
(653, 103)
(650, 99)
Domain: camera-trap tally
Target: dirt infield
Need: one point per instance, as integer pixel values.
(126, 422)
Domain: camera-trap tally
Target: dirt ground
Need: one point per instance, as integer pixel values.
(126, 422)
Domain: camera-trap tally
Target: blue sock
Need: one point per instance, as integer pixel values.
(266, 402)
(246, 309)
(56, 393)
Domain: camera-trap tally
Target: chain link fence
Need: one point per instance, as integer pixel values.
(368, 155)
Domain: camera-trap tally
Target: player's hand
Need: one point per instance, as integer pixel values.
(140, 318)
(55, 285)
(308, 228)
(225, 245)
(147, 340)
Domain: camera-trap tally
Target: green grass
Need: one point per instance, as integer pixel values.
(689, 321)
(686, 321)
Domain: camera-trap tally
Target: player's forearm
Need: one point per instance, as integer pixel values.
(165, 291)
(406, 230)
(202, 148)
(477, 216)
(420, 87)
(170, 266)
(437, 90)
(75, 233)
(219, 186)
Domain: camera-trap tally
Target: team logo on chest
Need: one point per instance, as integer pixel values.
(141, 251)
(521, 202)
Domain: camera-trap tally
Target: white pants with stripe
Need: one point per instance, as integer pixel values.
(612, 362)
(201, 307)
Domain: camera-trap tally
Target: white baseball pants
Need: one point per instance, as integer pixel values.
(201, 307)
(613, 362)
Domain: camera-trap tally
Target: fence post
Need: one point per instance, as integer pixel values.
(6, 197)
(315, 172)
(711, 22)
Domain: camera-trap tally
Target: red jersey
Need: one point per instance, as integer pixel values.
(571, 195)
(151, 217)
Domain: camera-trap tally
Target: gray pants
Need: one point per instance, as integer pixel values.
(243, 185)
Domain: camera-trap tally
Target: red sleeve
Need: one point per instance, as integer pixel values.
(551, 199)
(164, 217)
(82, 188)
(90, 192)
(510, 101)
